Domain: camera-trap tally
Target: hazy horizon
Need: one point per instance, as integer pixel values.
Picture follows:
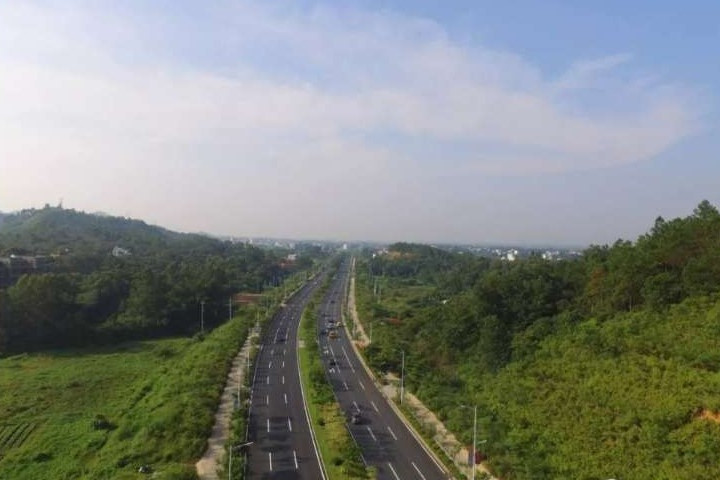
(460, 123)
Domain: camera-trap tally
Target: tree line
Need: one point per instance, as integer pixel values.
(91, 296)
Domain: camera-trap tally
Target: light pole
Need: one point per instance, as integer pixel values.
(402, 378)
(474, 452)
(475, 442)
(230, 455)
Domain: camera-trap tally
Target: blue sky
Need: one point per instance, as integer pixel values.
(515, 122)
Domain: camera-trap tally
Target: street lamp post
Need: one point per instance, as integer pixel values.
(230, 455)
(474, 453)
(402, 379)
(475, 442)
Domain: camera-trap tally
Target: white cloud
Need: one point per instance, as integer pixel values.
(306, 92)
(584, 73)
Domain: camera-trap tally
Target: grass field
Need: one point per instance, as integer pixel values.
(100, 414)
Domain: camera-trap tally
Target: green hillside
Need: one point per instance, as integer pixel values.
(60, 284)
(602, 367)
(56, 230)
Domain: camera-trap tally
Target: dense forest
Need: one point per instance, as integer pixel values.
(105, 279)
(601, 367)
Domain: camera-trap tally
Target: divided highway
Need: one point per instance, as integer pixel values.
(385, 441)
(282, 447)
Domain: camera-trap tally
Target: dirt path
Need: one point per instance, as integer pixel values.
(208, 465)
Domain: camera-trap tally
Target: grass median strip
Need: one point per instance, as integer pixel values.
(340, 453)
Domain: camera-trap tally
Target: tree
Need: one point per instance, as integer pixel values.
(43, 311)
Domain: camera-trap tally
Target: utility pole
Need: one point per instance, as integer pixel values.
(232, 449)
(474, 453)
(239, 380)
(402, 379)
(202, 316)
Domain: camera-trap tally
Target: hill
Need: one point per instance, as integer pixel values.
(605, 366)
(53, 230)
(61, 284)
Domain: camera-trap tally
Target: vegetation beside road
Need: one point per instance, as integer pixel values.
(340, 453)
(102, 413)
(156, 284)
(600, 367)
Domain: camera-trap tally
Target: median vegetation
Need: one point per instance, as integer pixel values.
(340, 453)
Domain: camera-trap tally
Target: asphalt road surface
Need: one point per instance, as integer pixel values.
(385, 441)
(282, 445)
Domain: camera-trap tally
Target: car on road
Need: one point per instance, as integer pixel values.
(333, 334)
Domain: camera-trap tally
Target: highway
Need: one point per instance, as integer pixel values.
(385, 441)
(282, 445)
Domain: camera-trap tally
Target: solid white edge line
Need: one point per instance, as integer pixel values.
(356, 443)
